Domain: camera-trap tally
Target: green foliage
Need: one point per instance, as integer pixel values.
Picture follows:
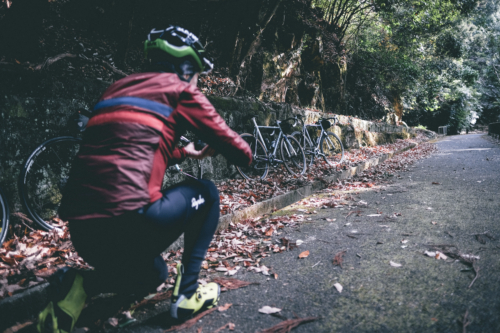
(438, 57)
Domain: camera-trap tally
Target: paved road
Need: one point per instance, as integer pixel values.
(425, 294)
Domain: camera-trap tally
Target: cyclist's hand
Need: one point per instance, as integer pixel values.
(191, 152)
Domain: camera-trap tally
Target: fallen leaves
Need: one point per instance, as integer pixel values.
(28, 260)
(304, 254)
(338, 286)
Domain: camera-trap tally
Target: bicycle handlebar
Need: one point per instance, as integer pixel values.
(198, 144)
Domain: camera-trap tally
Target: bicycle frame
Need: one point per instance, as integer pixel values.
(271, 156)
(316, 151)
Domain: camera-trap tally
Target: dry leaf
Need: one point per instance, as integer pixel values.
(224, 307)
(269, 310)
(395, 264)
(338, 259)
(304, 254)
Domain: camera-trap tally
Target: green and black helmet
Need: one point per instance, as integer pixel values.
(178, 50)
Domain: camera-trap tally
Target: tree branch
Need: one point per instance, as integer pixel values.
(50, 61)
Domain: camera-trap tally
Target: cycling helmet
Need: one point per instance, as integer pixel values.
(178, 50)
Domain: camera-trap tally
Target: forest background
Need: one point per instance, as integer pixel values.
(429, 63)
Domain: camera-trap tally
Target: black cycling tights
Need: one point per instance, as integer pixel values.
(125, 250)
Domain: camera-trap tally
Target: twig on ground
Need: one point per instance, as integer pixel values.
(449, 234)
(476, 270)
(23, 219)
(465, 322)
(288, 325)
(155, 299)
(324, 241)
(230, 283)
(50, 61)
(189, 323)
(18, 327)
(228, 325)
(113, 68)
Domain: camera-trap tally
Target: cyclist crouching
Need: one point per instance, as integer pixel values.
(119, 218)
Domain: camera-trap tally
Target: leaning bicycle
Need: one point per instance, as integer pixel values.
(45, 173)
(4, 217)
(326, 145)
(265, 152)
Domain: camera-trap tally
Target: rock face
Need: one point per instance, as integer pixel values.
(34, 109)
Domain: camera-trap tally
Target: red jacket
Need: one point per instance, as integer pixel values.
(127, 148)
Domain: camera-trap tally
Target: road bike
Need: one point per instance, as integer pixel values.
(326, 145)
(265, 151)
(4, 217)
(45, 173)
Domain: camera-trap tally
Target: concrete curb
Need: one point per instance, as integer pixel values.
(291, 197)
(28, 304)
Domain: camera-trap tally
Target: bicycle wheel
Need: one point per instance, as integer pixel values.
(332, 148)
(260, 165)
(293, 156)
(4, 217)
(43, 177)
(306, 144)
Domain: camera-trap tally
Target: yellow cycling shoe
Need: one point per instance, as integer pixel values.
(205, 297)
(61, 316)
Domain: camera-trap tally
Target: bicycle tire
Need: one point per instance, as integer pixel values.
(43, 177)
(331, 147)
(306, 144)
(295, 163)
(4, 216)
(257, 169)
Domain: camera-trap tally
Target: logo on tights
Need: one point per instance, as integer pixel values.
(195, 203)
